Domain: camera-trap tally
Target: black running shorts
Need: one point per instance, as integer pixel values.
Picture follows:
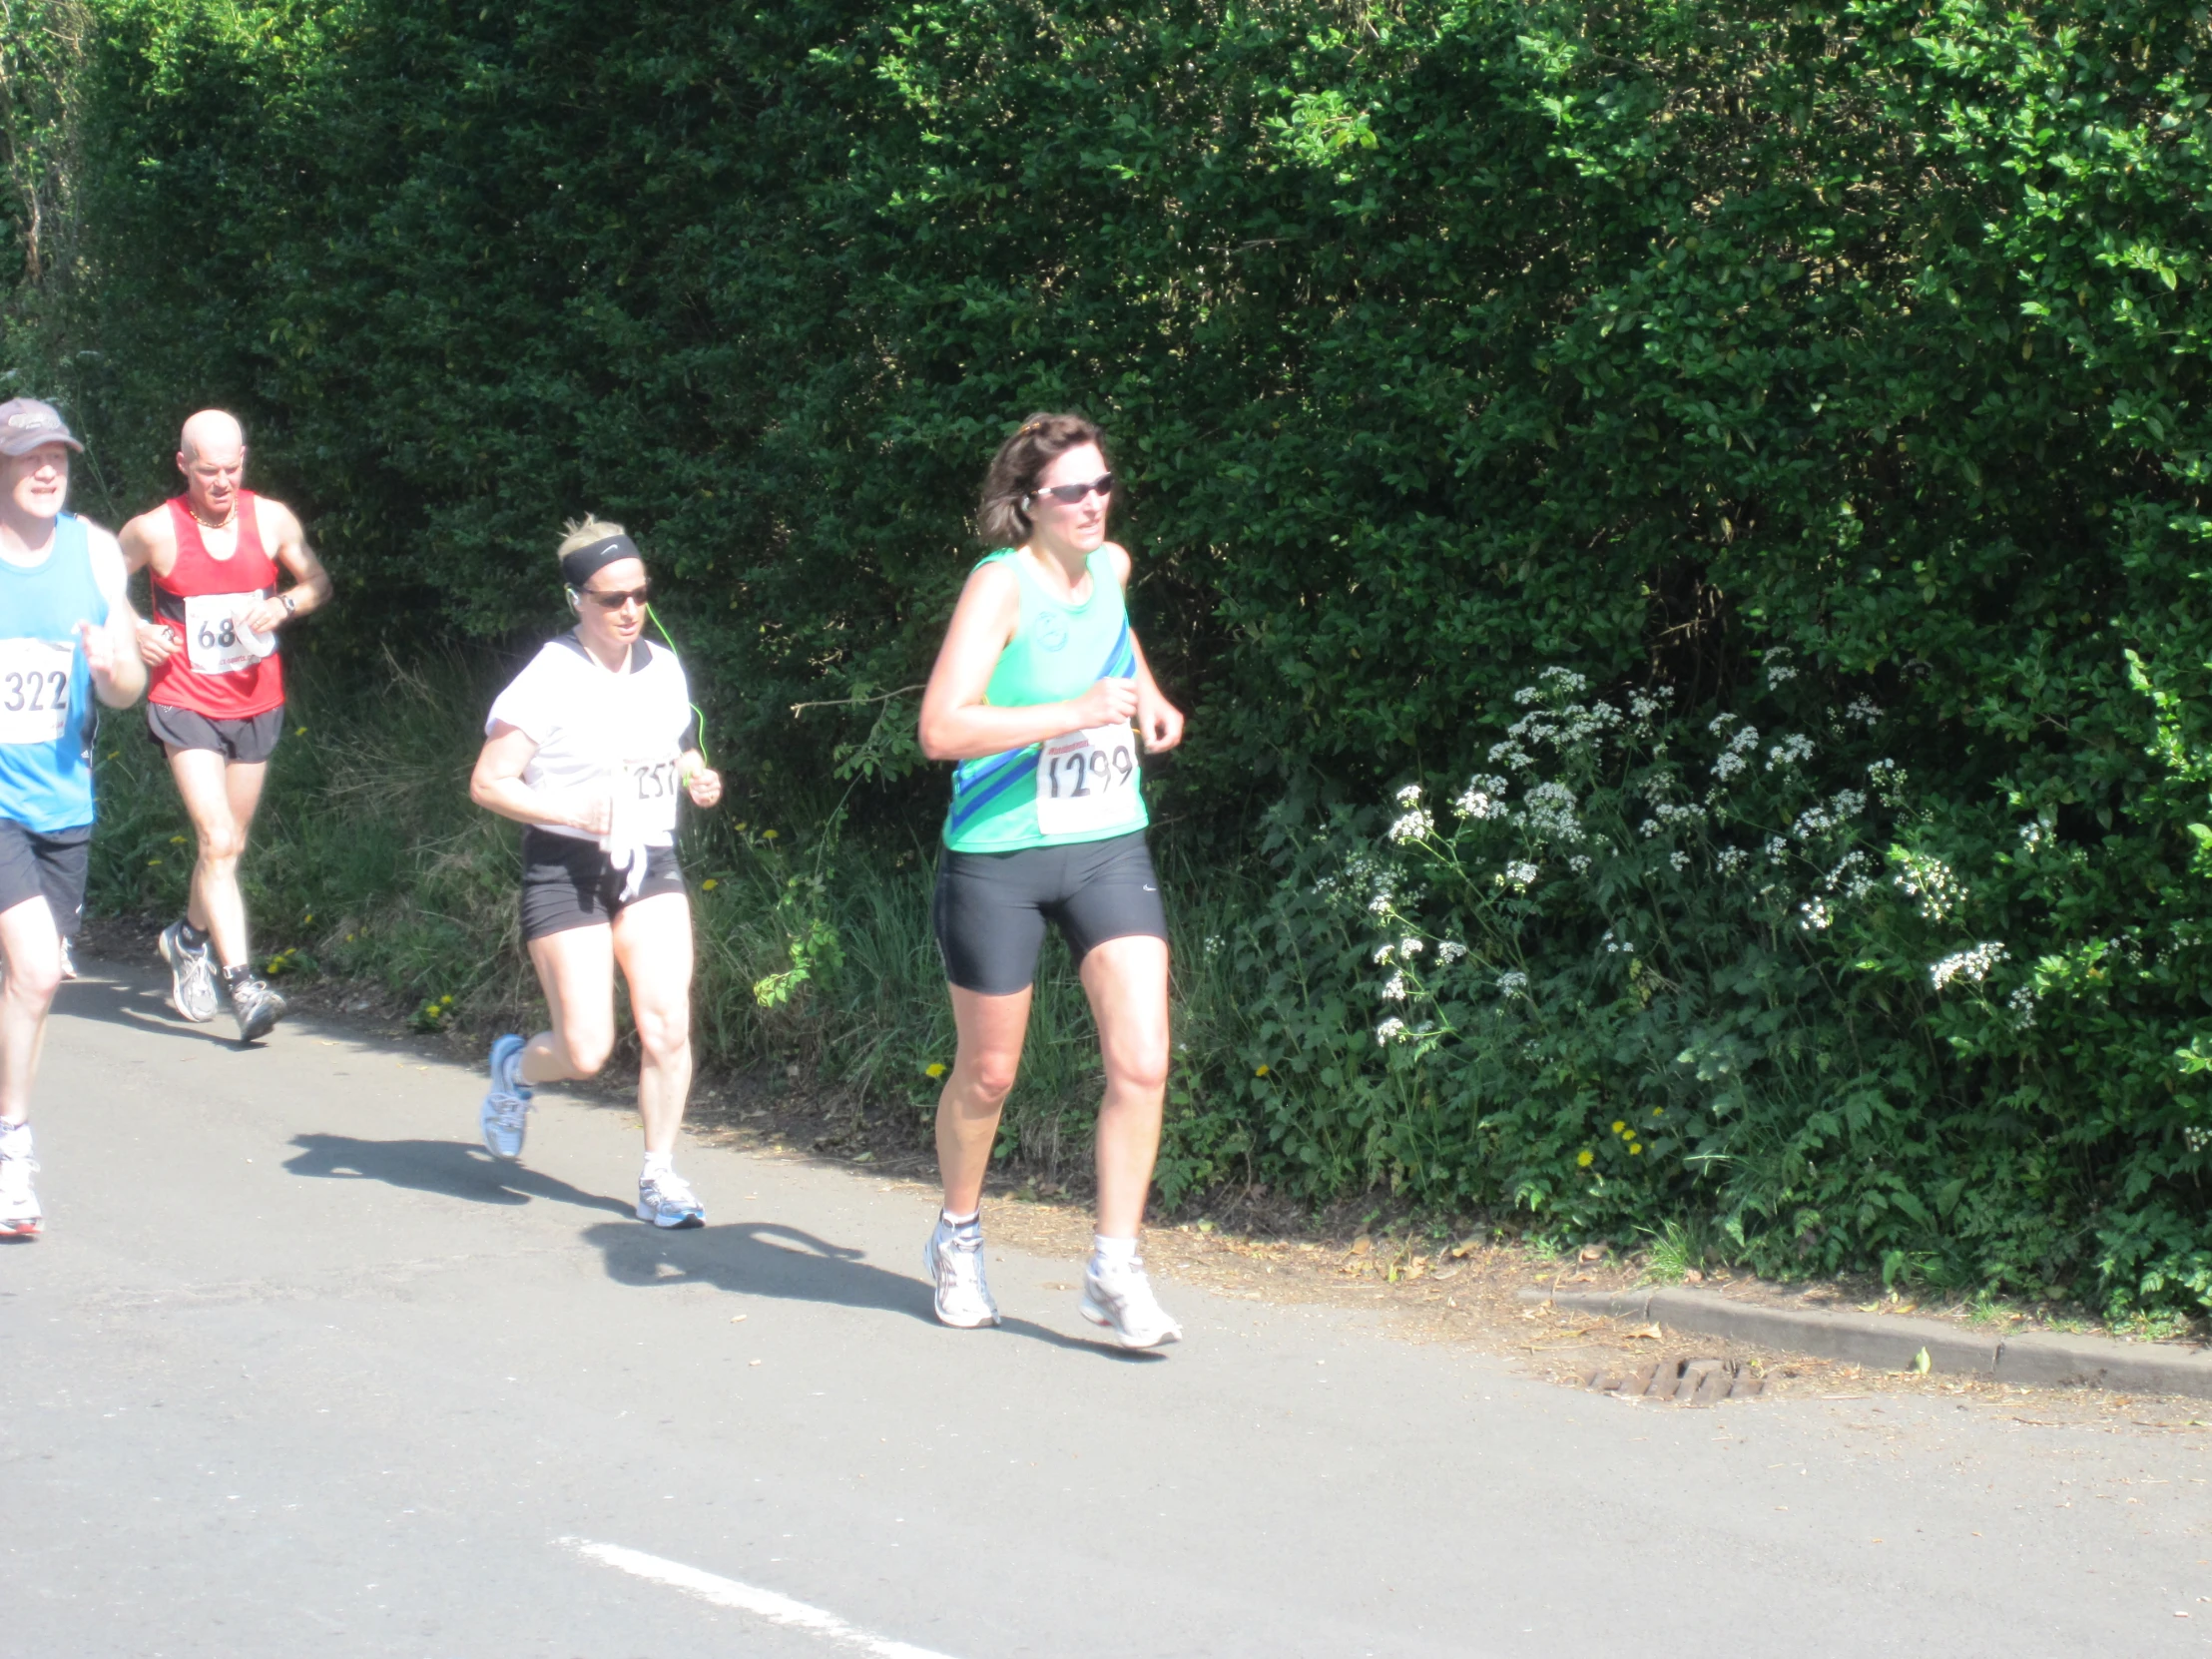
(567, 882)
(246, 742)
(51, 867)
(991, 907)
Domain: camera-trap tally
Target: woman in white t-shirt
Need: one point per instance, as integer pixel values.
(589, 749)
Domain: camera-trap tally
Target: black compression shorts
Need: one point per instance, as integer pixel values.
(568, 882)
(51, 867)
(991, 907)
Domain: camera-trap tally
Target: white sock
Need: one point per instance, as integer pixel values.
(971, 1219)
(1112, 1253)
(658, 1163)
(16, 1137)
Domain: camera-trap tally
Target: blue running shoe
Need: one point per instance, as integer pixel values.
(506, 1115)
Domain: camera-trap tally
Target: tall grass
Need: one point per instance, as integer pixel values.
(370, 862)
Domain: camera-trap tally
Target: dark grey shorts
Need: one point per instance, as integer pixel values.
(51, 867)
(568, 882)
(991, 907)
(240, 741)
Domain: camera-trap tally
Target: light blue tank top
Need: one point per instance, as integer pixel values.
(46, 711)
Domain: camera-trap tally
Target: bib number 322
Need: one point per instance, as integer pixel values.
(34, 690)
(216, 641)
(1087, 781)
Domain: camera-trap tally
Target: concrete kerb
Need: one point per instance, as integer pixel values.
(1894, 1341)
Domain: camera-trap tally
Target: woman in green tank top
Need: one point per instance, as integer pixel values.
(1042, 695)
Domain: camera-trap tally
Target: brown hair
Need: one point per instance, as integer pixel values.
(1002, 520)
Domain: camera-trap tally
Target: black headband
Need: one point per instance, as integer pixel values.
(588, 561)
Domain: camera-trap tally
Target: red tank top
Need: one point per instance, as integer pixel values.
(224, 672)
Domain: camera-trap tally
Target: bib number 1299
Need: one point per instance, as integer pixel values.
(1087, 781)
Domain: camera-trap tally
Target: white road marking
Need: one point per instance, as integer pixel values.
(766, 1604)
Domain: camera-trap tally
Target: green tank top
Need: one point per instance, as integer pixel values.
(1084, 786)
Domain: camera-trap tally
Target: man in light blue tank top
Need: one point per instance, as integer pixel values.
(66, 635)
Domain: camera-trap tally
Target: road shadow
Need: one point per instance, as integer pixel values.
(766, 1257)
(139, 1007)
(451, 1169)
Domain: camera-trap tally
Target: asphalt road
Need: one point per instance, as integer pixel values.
(296, 1369)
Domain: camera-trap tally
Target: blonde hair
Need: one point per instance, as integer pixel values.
(582, 533)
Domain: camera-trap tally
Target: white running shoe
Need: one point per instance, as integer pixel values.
(191, 975)
(20, 1217)
(954, 1259)
(505, 1114)
(258, 1009)
(1121, 1298)
(666, 1200)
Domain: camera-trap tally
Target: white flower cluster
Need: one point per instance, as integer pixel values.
(1512, 983)
(1932, 882)
(2031, 836)
(1213, 945)
(1580, 863)
(1863, 709)
(1612, 945)
(1778, 674)
(2196, 1137)
(1814, 915)
(1394, 988)
(1409, 947)
(1776, 846)
(1484, 796)
(1738, 753)
(1391, 1029)
(1557, 682)
(1548, 810)
(1851, 876)
(1648, 828)
(1728, 859)
(1413, 825)
(1382, 952)
(1790, 750)
(1973, 964)
(1643, 705)
(1567, 727)
(1450, 952)
(2023, 1003)
(1519, 874)
(1679, 858)
(1887, 780)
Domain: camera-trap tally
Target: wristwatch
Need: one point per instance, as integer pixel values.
(291, 607)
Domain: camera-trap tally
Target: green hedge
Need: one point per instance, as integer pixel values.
(1648, 342)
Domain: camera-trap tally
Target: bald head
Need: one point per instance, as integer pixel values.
(211, 433)
(210, 453)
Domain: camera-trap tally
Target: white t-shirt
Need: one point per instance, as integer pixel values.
(598, 731)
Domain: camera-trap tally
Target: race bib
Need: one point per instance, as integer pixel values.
(215, 642)
(34, 689)
(646, 793)
(1087, 781)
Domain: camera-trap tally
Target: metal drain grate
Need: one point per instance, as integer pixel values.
(1684, 1381)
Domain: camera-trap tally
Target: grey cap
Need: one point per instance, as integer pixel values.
(26, 423)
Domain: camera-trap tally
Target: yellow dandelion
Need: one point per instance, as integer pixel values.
(1635, 1148)
(1584, 1157)
(299, 731)
(767, 835)
(1620, 1127)
(1258, 1071)
(709, 884)
(935, 1068)
(741, 824)
(150, 862)
(176, 841)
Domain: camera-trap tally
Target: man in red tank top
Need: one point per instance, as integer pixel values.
(216, 691)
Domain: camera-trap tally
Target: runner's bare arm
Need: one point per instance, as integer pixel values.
(1158, 722)
(112, 650)
(288, 545)
(703, 783)
(147, 543)
(958, 725)
(496, 785)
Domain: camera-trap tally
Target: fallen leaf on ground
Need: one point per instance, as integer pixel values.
(1645, 1332)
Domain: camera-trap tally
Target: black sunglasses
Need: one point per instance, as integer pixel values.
(1069, 495)
(615, 601)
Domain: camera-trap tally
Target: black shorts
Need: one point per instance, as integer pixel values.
(991, 907)
(567, 882)
(52, 868)
(246, 742)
